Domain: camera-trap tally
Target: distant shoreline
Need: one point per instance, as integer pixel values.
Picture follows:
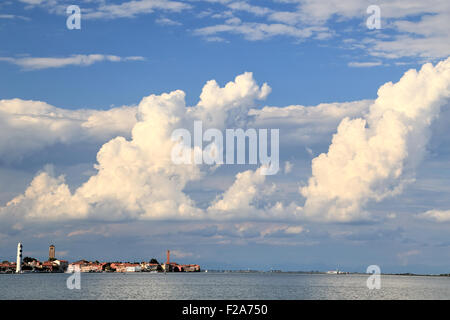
(252, 272)
(326, 273)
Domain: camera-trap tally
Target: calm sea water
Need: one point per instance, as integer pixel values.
(191, 286)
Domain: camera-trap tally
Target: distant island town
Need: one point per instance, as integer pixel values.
(54, 265)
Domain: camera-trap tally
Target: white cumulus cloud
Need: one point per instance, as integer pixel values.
(37, 63)
(136, 178)
(436, 215)
(377, 146)
(371, 158)
(38, 125)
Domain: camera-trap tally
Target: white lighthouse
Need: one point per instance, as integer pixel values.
(19, 258)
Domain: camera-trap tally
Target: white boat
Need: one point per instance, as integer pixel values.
(333, 272)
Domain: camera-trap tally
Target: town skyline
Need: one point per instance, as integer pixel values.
(53, 264)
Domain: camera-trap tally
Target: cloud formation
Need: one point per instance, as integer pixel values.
(425, 37)
(38, 125)
(307, 125)
(367, 64)
(373, 157)
(136, 178)
(239, 197)
(436, 215)
(38, 63)
(130, 9)
(104, 10)
(374, 153)
(410, 28)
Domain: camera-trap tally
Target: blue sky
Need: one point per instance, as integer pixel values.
(178, 58)
(67, 94)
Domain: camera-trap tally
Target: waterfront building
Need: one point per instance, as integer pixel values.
(151, 267)
(49, 266)
(92, 267)
(136, 268)
(62, 264)
(85, 266)
(73, 267)
(7, 267)
(126, 267)
(76, 266)
(191, 268)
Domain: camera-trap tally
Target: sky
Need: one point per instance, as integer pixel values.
(87, 116)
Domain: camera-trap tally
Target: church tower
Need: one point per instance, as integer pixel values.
(51, 253)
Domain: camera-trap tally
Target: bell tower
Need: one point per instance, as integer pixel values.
(51, 253)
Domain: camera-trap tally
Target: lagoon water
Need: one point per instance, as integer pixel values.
(192, 286)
